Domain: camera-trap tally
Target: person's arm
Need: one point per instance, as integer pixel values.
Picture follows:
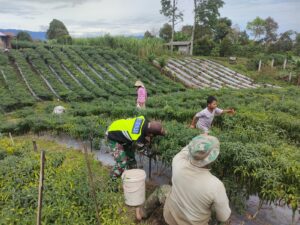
(194, 121)
(228, 111)
(223, 111)
(221, 205)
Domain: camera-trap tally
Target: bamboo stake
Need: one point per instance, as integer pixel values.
(259, 66)
(272, 64)
(290, 77)
(41, 187)
(11, 139)
(92, 185)
(34, 146)
(284, 64)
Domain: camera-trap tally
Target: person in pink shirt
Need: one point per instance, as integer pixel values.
(141, 95)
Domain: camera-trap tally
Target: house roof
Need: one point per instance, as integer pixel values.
(6, 34)
(180, 43)
(9, 34)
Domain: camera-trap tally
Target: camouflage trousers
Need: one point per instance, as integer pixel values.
(124, 156)
(156, 199)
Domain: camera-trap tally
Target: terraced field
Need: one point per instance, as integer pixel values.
(201, 73)
(74, 73)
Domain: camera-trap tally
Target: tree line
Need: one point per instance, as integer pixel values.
(211, 34)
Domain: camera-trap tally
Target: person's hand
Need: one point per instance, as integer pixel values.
(192, 126)
(231, 111)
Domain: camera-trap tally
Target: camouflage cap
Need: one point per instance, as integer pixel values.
(203, 150)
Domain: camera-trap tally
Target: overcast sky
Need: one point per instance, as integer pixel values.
(133, 17)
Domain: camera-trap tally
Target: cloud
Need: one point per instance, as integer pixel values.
(93, 17)
(284, 12)
(128, 26)
(18, 9)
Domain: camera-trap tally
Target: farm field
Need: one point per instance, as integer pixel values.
(74, 73)
(259, 145)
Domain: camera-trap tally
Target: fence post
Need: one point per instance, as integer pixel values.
(41, 187)
(11, 139)
(284, 64)
(272, 63)
(91, 181)
(290, 77)
(259, 66)
(150, 166)
(34, 146)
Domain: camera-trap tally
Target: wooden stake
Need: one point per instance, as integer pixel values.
(11, 139)
(41, 187)
(92, 185)
(34, 146)
(284, 64)
(272, 63)
(259, 66)
(290, 77)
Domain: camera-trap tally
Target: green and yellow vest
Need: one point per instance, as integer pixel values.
(130, 128)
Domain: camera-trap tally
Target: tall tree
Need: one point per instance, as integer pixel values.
(170, 10)
(187, 30)
(23, 36)
(206, 12)
(222, 28)
(257, 27)
(57, 30)
(148, 34)
(271, 27)
(237, 36)
(166, 32)
(297, 45)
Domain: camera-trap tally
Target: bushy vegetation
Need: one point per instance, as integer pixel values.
(67, 198)
(259, 145)
(140, 47)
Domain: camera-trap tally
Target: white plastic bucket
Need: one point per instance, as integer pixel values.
(134, 186)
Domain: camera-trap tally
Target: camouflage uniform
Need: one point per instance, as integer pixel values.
(157, 198)
(124, 156)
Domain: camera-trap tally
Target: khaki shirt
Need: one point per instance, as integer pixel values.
(195, 192)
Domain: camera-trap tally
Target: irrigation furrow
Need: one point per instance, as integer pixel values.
(58, 77)
(204, 78)
(95, 72)
(5, 79)
(45, 80)
(26, 82)
(71, 75)
(228, 82)
(187, 76)
(84, 74)
(181, 78)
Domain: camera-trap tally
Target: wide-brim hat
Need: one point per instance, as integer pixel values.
(203, 150)
(139, 84)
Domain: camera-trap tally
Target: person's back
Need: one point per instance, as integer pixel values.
(194, 192)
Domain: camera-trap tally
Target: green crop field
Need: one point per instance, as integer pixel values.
(259, 145)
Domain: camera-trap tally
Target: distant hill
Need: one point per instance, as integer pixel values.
(36, 35)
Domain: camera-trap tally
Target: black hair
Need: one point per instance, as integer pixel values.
(210, 99)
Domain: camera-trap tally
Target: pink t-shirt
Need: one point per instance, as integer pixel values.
(142, 95)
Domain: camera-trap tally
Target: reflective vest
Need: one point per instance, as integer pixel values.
(130, 128)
